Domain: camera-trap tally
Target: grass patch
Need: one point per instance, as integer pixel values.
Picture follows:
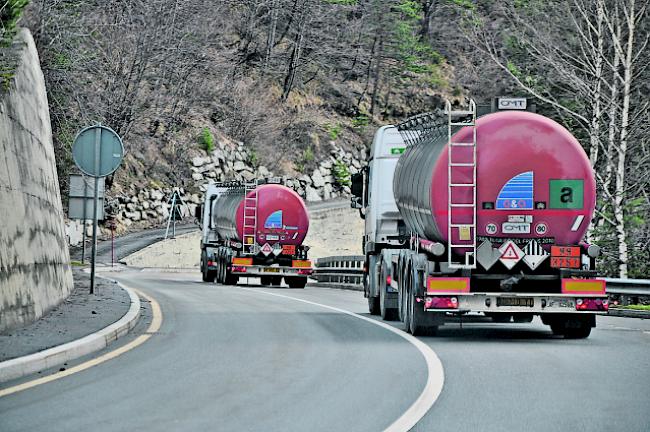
(77, 264)
(207, 140)
(341, 173)
(636, 307)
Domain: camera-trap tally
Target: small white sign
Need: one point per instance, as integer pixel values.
(491, 228)
(272, 237)
(512, 103)
(277, 249)
(520, 218)
(515, 228)
(541, 228)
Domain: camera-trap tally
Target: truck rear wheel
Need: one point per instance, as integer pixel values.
(230, 279)
(573, 327)
(265, 280)
(295, 281)
(373, 305)
(419, 322)
(387, 314)
(206, 275)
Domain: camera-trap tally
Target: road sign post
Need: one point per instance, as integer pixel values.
(97, 151)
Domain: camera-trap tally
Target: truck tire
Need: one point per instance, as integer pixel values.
(265, 280)
(573, 327)
(371, 286)
(419, 322)
(206, 275)
(373, 305)
(577, 333)
(296, 281)
(387, 314)
(230, 279)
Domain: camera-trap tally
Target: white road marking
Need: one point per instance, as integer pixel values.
(435, 379)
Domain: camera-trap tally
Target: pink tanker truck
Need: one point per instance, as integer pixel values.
(480, 215)
(254, 229)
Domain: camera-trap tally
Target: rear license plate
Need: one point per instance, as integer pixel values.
(564, 262)
(516, 301)
(272, 270)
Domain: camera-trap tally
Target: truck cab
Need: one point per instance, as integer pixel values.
(384, 228)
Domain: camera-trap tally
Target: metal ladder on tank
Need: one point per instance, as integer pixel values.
(250, 219)
(458, 118)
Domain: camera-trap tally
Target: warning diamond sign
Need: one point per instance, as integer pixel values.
(510, 254)
(267, 249)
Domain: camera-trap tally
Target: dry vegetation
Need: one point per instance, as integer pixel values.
(287, 76)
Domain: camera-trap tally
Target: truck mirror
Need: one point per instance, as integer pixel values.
(355, 203)
(357, 185)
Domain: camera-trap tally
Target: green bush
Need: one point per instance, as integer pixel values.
(253, 159)
(361, 120)
(341, 173)
(307, 157)
(333, 131)
(10, 11)
(207, 140)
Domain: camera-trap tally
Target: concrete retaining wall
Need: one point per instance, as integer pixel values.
(34, 260)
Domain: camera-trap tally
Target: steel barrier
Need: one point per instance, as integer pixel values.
(348, 270)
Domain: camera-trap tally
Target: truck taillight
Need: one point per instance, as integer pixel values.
(238, 269)
(388, 280)
(592, 304)
(441, 303)
(210, 263)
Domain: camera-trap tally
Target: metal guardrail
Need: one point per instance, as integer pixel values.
(348, 270)
(640, 287)
(340, 270)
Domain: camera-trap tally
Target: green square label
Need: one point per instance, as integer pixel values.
(397, 150)
(566, 194)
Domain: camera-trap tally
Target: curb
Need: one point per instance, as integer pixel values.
(629, 313)
(21, 366)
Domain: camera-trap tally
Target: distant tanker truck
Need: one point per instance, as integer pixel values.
(482, 215)
(254, 229)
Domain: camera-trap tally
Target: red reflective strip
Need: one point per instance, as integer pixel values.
(451, 285)
(583, 286)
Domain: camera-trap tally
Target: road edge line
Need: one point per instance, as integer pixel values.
(435, 370)
(108, 335)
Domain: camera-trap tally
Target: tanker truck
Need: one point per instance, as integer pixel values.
(485, 215)
(254, 229)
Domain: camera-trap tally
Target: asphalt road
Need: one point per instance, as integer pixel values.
(235, 359)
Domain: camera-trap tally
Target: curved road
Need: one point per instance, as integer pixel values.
(235, 359)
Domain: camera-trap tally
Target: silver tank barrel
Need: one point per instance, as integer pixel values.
(224, 214)
(412, 184)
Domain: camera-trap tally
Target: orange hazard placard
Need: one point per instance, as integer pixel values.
(288, 249)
